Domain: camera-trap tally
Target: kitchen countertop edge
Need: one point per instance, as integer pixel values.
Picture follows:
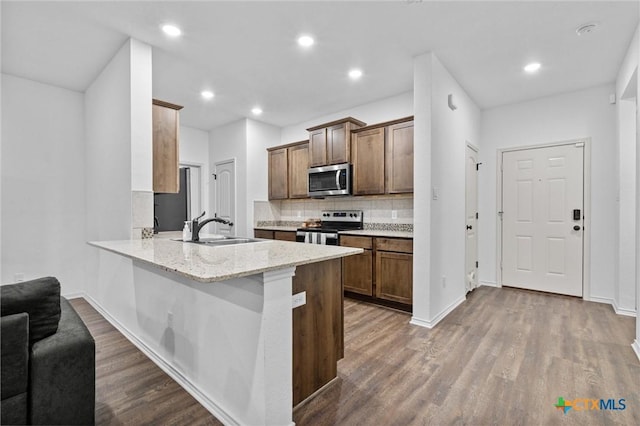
(359, 232)
(210, 277)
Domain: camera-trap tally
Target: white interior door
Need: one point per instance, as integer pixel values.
(543, 218)
(471, 209)
(225, 195)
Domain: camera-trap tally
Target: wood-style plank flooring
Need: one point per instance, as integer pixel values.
(503, 357)
(130, 388)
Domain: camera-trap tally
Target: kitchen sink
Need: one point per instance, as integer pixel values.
(224, 241)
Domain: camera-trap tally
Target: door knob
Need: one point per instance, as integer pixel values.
(469, 227)
(576, 228)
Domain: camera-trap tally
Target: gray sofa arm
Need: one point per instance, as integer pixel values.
(14, 330)
(62, 379)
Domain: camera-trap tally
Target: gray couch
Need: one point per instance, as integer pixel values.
(48, 357)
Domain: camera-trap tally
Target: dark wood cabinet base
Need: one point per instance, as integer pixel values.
(381, 302)
(318, 335)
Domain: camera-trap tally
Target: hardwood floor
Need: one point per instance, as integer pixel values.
(130, 388)
(503, 357)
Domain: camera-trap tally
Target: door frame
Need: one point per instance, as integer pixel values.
(586, 242)
(477, 151)
(214, 202)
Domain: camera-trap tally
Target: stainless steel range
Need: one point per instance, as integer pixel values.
(332, 221)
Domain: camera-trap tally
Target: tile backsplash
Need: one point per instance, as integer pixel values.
(376, 210)
(141, 213)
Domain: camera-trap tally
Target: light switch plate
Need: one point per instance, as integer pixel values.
(394, 214)
(299, 299)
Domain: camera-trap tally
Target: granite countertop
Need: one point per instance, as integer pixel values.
(206, 264)
(361, 232)
(378, 233)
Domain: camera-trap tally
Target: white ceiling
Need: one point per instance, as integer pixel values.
(246, 52)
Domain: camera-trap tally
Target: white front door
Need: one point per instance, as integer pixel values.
(543, 218)
(225, 195)
(471, 208)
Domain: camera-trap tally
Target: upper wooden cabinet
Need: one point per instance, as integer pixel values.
(278, 177)
(329, 143)
(298, 170)
(288, 166)
(166, 156)
(399, 158)
(367, 150)
(382, 156)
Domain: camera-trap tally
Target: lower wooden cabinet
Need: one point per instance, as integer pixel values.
(383, 273)
(394, 276)
(285, 236)
(358, 273)
(263, 233)
(275, 235)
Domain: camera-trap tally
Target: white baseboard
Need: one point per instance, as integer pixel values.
(73, 296)
(489, 284)
(623, 311)
(636, 348)
(185, 383)
(614, 305)
(432, 323)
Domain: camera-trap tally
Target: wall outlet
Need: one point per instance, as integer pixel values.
(299, 213)
(394, 214)
(299, 299)
(435, 193)
(170, 319)
(19, 276)
(444, 281)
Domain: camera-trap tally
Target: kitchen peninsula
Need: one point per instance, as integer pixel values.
(220, 319)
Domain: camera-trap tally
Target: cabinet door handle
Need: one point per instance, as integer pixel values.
(469, 227)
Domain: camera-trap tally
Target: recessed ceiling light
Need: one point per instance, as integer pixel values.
(207, 94)
(532, 67)
(171, 30)
(306, 41)
(355, 74)
(256, 111)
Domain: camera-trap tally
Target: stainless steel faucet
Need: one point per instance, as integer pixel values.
(196, 225)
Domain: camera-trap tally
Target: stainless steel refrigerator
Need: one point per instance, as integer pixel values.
(171, 210)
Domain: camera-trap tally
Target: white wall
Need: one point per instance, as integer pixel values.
(108, 156)
(260, 136)
(43, 198)
(441, 220)
(451, 130)
(375, 112)
(422, 86)
(194, 150)
(225, 143)
(112, 138)
(626, 94)
(141, 120)
(581, 114)
(628, 80)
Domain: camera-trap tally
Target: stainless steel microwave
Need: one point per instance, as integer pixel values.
(330, 180)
